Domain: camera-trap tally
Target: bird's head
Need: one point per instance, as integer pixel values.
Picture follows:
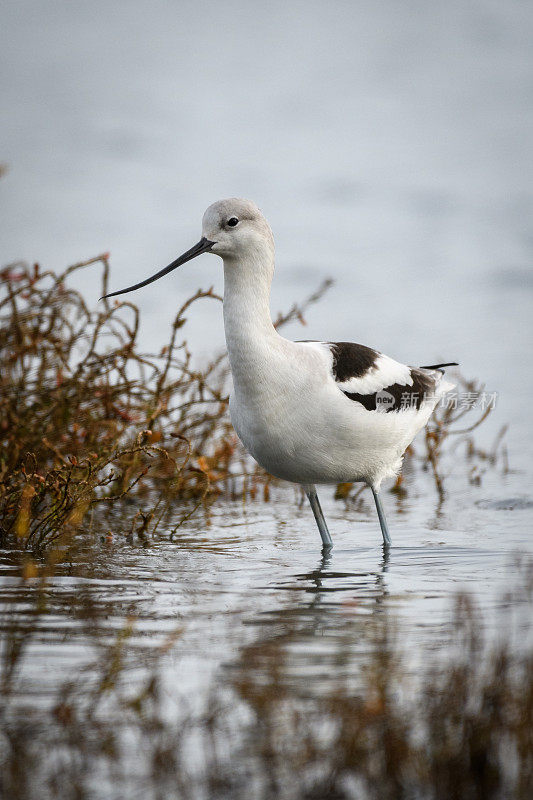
(237, 228)
(233, 229)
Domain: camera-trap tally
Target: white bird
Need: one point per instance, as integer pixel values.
(308, 412)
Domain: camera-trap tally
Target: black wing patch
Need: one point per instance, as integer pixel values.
(355, 361)
(351, 360)
(398, 397)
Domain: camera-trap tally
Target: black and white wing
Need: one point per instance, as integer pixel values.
(378, 382)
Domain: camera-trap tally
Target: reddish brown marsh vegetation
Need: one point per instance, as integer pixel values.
(87, 420)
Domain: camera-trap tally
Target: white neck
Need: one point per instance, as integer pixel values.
(250, 334)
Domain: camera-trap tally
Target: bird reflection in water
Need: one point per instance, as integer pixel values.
(343, 621)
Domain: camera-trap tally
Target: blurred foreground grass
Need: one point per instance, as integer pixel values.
(460, 727)
(88, 420)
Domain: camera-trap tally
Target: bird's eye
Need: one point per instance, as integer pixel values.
(232, 221)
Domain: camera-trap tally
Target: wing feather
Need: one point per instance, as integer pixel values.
(378, 382)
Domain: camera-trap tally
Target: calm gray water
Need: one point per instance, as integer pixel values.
(389, 145)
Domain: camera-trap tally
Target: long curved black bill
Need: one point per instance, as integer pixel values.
(201, 247)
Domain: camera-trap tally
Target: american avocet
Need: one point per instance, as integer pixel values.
(308, 412)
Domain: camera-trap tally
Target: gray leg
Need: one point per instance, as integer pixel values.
(327, 541)
(382, 520)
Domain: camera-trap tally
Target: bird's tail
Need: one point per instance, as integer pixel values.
(441, 366)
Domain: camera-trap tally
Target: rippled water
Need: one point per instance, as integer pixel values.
(248, 596)
(256, 574)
